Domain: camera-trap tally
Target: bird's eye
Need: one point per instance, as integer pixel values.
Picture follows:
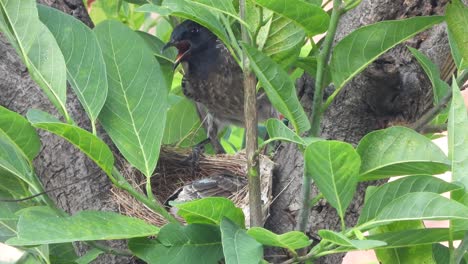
(194, 30)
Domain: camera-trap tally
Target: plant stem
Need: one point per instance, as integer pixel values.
(322, 62)
(250, 117)
(120, 181)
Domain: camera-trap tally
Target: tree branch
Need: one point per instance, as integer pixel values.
(250, 117)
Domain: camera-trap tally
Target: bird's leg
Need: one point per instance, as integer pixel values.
(194, 158)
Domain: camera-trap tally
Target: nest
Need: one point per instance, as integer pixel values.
(174, 174)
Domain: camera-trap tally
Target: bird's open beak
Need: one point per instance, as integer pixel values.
(182, 46)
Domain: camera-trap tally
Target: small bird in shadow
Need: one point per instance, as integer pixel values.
(213, 79)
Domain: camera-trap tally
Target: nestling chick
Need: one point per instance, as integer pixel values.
(213, 79)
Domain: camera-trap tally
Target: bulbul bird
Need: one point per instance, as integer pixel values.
(213, 79)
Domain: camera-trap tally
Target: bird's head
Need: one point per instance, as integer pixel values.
(189, 38)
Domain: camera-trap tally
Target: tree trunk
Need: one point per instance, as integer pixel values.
(59, 163)
(393, 90)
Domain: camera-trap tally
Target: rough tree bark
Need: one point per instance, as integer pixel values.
(59, 163)
(393, 90)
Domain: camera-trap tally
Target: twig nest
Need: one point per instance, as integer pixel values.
(176, 180)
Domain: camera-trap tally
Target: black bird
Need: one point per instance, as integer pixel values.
(213, 79)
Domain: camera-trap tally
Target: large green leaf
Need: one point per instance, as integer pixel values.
(183, 125)
(210, 210)
(13, 163)
(360, 48)
(277, 130)
(458, 138)
(279, 88)
(334, 166)
(238, 247)
(291, 240)
(90, 144)
(11, 186)
(86, 70)
(280, 36)
(20, 131)
(311, 17)
(193, 11)
(34, 229)
(413, 254)
(399, 151)
(439, 87)
(456, 17)
(193, 243)
(388, 192)
(37, 47)
(116, 10)
(412, 237)
(419, 206)
(342, 240)
(136, 105)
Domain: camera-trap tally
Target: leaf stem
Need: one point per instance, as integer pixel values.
(317, 112)
(250, 117)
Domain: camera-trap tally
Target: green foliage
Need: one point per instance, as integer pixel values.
(399, 151)
(20, 131)
(88, 143)
(457, 22)
(210, 210)
(357, 50)
(238, 247)
(20, 23)
(458, 138)
(137, 94)
(102, 10)
(279, 88)
(334, 166)
(35, 228)
(86, 71)
(291, 240)
(440, 88)
(311, 17)
(194, 243)
(342, 240)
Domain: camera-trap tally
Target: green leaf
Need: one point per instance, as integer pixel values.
(291, 240)
(34, 229)
(223, 7)
(86, 70)
(388, 192)
(360, 48)
(62, 253)
(238, 247)
(439, 87)
(89, 256)
(399, 151)
(414, 237)
(279, 35)
(456, 55)
(334, 166)
(193, 243)
(311, 17)
(90, 144)
(116, 10)
(456, 16)
(458, 138)
(277, 130)
(193, 11)
(156, 45)
(210, 210)
(37, 47)
(183, 125)
(340, 239)
(414, 254)
(13, 163)
(441, 254)
(419, 206)
(20, 131)
(137, 99)
(279, 88)
(150, 8)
